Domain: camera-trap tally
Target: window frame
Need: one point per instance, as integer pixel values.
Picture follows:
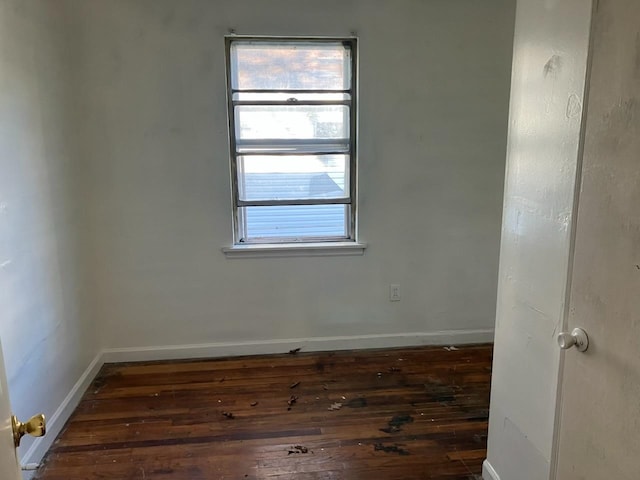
(350, 202)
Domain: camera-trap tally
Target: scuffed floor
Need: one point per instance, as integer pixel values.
(418, 413)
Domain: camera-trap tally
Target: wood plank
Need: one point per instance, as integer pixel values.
(405, 414)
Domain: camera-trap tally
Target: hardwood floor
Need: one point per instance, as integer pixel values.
(376, 414)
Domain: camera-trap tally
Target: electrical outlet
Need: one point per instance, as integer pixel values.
(394, 292)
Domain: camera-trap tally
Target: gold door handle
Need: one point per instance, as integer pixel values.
(36, 427)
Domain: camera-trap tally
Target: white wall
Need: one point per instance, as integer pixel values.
(433, 107)
(46, 337)
(548, 82)
(115, 195)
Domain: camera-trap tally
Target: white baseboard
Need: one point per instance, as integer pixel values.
(56, 422)
(488, 472)
(318, 344)
(211, 350)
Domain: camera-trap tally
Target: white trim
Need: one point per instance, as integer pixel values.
(488, 472)
(56, 422)
(319, 249)
(317, 344)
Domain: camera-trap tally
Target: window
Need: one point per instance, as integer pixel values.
(292, 136)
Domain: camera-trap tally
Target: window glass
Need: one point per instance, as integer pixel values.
(276, 121)
(290, 65)
(293, 177)
(294, 222)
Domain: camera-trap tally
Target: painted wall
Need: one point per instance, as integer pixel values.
(46, 337)
(434, 82)
(548, 81)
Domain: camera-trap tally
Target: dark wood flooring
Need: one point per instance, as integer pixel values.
(418, 413)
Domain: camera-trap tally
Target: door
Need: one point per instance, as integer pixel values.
(551, 48)
(9, 467)
(599, 429)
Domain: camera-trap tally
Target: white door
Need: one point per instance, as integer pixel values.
(9, 467)
(599, 432)
(551, 49)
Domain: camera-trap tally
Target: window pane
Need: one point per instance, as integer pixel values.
(290, 65)
(293, 177)
(295, 222)
(304, 121)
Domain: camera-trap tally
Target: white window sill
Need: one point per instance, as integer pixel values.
(321, 249)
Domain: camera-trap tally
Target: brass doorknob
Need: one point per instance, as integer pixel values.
(36, 427)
